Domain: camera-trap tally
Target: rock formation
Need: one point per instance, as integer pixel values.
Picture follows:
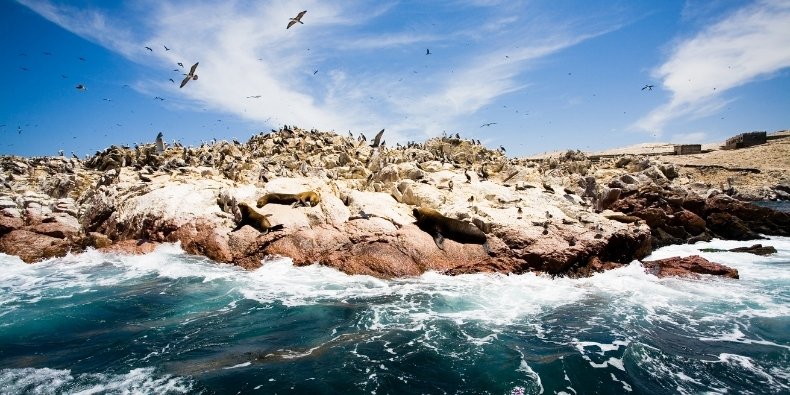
(562, 216)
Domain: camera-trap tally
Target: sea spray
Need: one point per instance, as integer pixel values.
(118, 323)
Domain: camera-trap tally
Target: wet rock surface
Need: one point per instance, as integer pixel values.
(688, 266)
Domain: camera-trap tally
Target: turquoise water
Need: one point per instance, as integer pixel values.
(167, 322)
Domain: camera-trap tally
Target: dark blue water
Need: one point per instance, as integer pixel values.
(171, 323)
(779, 205)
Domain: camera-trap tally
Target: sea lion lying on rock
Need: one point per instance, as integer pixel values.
(255, 219)
(439, 226)
(308, 199)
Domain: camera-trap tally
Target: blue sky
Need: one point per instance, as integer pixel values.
(551, 75)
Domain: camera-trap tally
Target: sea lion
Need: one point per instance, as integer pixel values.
(308, 199)
(439, 226)
(255, 219)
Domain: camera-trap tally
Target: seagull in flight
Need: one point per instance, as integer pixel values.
(488, 124)
(149, 48)
(166, 48)
(190, 76)
(297, 18)
(427, 51)
(180, 64)
(648, 87)
(81, 87)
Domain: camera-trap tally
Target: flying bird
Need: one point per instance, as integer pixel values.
(427, 51)
(171, 80)
(159, 98)
(488, 124)
(648, 87)
(377, 139)
(149, 48)
(180, 64)
(166, 48)
(190, 76)
(81, 87)
(297, 18)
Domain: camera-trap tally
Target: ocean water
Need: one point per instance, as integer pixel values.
(167, 322)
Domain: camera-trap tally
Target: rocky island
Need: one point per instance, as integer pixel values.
(568, 214)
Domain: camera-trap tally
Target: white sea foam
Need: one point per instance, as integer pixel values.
(45, 380)
(241, 365)
(408, 303)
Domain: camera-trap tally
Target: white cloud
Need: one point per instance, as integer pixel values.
(749, 44)
(244, 50)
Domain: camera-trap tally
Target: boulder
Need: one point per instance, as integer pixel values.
(54, 229)
(756, 249)
(692, 223)
(730, 227)
(31, 247)
(687, 266)
(8, 224)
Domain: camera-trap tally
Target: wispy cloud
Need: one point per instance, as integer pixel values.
(244, 50)
(747, 45)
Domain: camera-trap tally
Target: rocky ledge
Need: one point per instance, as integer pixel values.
(563, 216)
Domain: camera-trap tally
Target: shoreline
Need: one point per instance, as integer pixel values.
(568, 215)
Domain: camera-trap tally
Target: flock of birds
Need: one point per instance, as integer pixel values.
(192, 75)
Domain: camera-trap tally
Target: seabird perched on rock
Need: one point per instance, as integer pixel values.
(297, 18)
(190, 76)
(377, 139)
(160, 143)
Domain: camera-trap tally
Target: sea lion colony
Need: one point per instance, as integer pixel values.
(294, 152)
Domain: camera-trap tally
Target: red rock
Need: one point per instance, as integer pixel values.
(692, 223)
(131, 247)
(7, 224)
(54, 229)
(32, 247)
(203, 238)
(407, 252)
(688, 266)
(654, 217)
